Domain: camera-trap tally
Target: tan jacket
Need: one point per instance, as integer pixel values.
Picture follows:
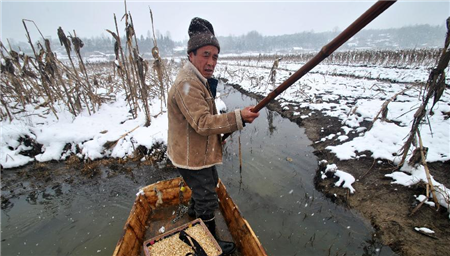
(195, 127)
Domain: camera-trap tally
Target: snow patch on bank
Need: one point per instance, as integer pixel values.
(60, 137)
(355, 96)
(345, 179)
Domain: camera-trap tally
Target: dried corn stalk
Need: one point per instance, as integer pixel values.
(158, 65)
(434, 89)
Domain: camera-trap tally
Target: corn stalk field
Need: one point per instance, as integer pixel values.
(42, 81)
(405, 91)
(407, 58)
(53, 86)
(393, 104)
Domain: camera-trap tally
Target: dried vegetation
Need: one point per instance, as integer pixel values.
(433, 90)
(406, 58)
(413, 152)
(44, 81)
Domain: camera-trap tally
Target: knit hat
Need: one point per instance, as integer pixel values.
(201, 33)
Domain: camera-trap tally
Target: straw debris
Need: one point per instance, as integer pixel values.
(173, 246)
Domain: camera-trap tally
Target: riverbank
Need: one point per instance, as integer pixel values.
(46, 179)
(387, 206)
(335, 107)
(80, 206)
(83, 204)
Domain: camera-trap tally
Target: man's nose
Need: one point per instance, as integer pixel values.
(210, 62)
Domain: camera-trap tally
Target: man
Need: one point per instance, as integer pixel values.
(195, 127)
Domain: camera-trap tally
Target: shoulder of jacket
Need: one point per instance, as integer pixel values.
(181, 82)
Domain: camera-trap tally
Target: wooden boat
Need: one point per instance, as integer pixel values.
(151, 201)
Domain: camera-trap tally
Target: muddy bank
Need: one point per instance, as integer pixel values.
(46, 179)
(82, 206)
(388, 207)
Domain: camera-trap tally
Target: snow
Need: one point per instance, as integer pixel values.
(140, 192)
(220, 105)
(97, 59)
(425, 230)
(423, 198)
(383, 140)
(408, 176)
(353, 94)
(345, 179)
(88, 132)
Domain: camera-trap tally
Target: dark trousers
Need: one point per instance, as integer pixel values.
(203, 185)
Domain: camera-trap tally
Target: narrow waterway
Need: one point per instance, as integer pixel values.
(72, 214)
(274, 190)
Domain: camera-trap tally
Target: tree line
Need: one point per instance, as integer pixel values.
(410, 37)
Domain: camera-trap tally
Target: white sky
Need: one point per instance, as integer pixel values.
(228, 17)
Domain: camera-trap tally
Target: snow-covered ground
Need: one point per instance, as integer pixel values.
(355, 94)
(83, 135)
(350, 93)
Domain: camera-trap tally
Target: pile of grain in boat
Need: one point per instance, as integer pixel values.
(173, 246)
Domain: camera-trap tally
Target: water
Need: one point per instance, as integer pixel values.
(274, 191)
(84, 217)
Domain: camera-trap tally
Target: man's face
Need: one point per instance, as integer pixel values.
(205, 60)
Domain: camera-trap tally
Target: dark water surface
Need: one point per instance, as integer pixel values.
(84, 217)
(274, 191)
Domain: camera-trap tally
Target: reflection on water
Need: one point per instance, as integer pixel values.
(276, 194)
(72, 219)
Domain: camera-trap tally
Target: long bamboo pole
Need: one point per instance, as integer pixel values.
(328, 49)
(367, 17)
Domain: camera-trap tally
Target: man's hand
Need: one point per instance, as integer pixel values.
(247, 115)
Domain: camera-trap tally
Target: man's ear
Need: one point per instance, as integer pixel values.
(190, 55)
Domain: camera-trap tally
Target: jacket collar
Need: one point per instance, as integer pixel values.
(190, 67)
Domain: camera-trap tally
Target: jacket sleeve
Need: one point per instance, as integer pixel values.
(195, 104)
